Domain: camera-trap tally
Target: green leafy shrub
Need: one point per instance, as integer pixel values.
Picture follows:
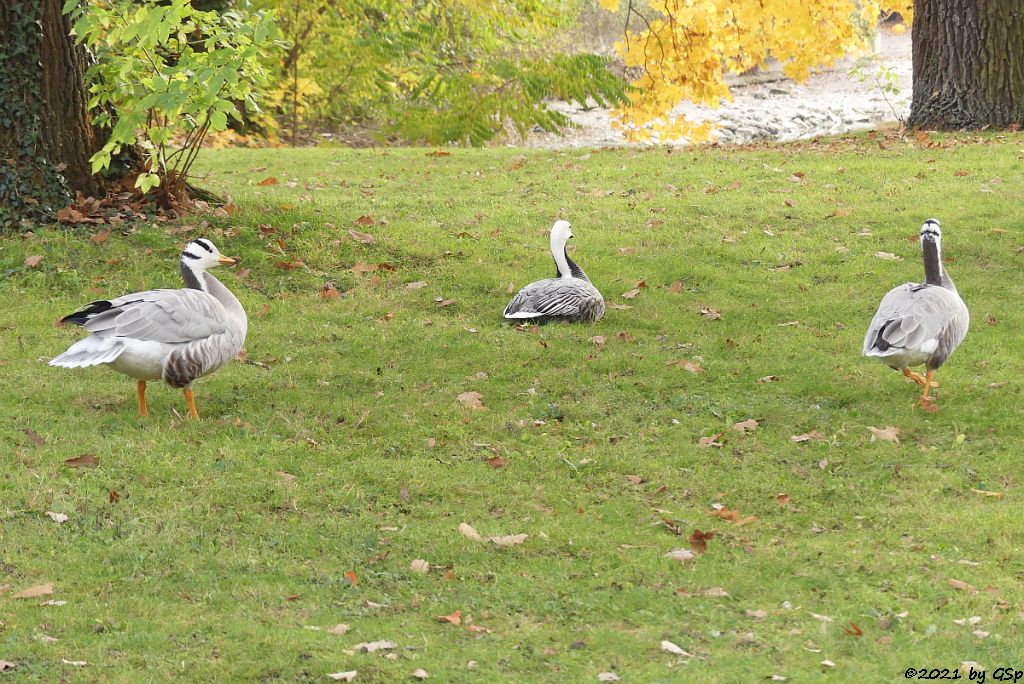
(166, 75)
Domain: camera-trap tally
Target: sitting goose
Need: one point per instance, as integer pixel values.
(920, 323)
(177, 335)
(567, 297)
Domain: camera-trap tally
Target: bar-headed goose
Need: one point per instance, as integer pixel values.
(569, 296)
(920, 323)
(178, 335)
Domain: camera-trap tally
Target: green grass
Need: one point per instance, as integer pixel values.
(211, 567)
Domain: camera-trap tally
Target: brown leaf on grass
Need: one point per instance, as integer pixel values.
(631, 294)
(329, 292)
(625, 336)
(343, 676)
(599, 340)
(766, 379)
(887, 434)
(286, 477)
(709, 313)
(100, 237)
(759, 613)
(725, 514)
(467, 531)
(710, 441)
(242, 273)
(113, 496)
(985, 492)
(416, 285)
(746, 520)
(289, 265)
(472, 400)
(699, 540)
(364, 221)
(373, 646)
(676, 287)
(439, 153)
(455, 618)
(340, 629)
(807, 437)
(33, 261)
(627, 251)
(421, 566)
(420, 673)
(83, 461)
(669, 647)
(364, 238)
(6, 665)
(691, 366)
(783, 499)
(269, 180)
(34, 437)
(853, 630)
(441, 302)
(496, 462)
(962, 586)
(744, 426)
(635, 479)
(681, 555)
(35, 592)
(789, 203)
(508, 539)
(961, 172)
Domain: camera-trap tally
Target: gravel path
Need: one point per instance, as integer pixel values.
(828, 103)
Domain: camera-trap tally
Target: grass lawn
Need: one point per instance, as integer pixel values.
(224, 549)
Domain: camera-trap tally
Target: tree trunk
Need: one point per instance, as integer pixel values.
(46, 137)
(968, 64)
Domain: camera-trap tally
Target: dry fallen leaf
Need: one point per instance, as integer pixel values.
(420, 673)
(607, 677)
(768, 378)
(374, 646)
(416, 285)
(76, 663)
(364, 238)
(35, 592)
(364, 221)
(888, 434)
(676, 287)
(83, 461)
(57, 517)
(985, 492)
(691, 366)
(631, 294)
(699, 540)
(100, 237)
(496, 462)
(759, 613)
(421, 566)
(33, 260)
(466, 530)
(783, 499)
(343, 676)
(329, 292)
(807, 437)
(35, 437)
(748, 425)
(888, 256)
(709, 313)
(681, 555)
(669, 647)
(710, 441)
(286, 477)
(6, 665)
(508, 539)
(471, 400)
(455, 618)
(340, 629)
(269, 180)
(962, 586)
(599, 340)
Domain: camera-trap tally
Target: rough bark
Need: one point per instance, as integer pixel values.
(46, 137)
(968, 64)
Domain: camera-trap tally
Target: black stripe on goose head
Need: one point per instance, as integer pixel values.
(931, 230)
(205, 244)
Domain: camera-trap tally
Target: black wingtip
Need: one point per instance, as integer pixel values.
(82, 317)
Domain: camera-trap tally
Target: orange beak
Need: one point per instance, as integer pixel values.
(225, 260)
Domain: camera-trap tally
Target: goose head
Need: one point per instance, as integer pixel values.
(560, 234)
(198, 256)
(931, 231)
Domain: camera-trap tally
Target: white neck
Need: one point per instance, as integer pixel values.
(558, 252)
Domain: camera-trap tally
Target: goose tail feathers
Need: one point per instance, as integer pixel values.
(92, 351)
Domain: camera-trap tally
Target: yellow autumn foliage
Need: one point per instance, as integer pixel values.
(686, 48)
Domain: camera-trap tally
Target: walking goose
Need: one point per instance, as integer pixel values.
(569, 296)
(920, 323)
(178, 335)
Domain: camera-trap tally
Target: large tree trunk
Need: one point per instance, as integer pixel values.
(968, 64)
(46, 137)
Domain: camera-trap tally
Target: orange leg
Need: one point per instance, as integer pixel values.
(143, 409)
(924, 401)
(916, 377)
(190, 399)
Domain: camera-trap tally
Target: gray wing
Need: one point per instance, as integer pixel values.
(554, 298)
(169, 316)
(926, 318)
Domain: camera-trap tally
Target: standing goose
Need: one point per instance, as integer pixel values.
(569, 296)
(920, 323)
(178, 335)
